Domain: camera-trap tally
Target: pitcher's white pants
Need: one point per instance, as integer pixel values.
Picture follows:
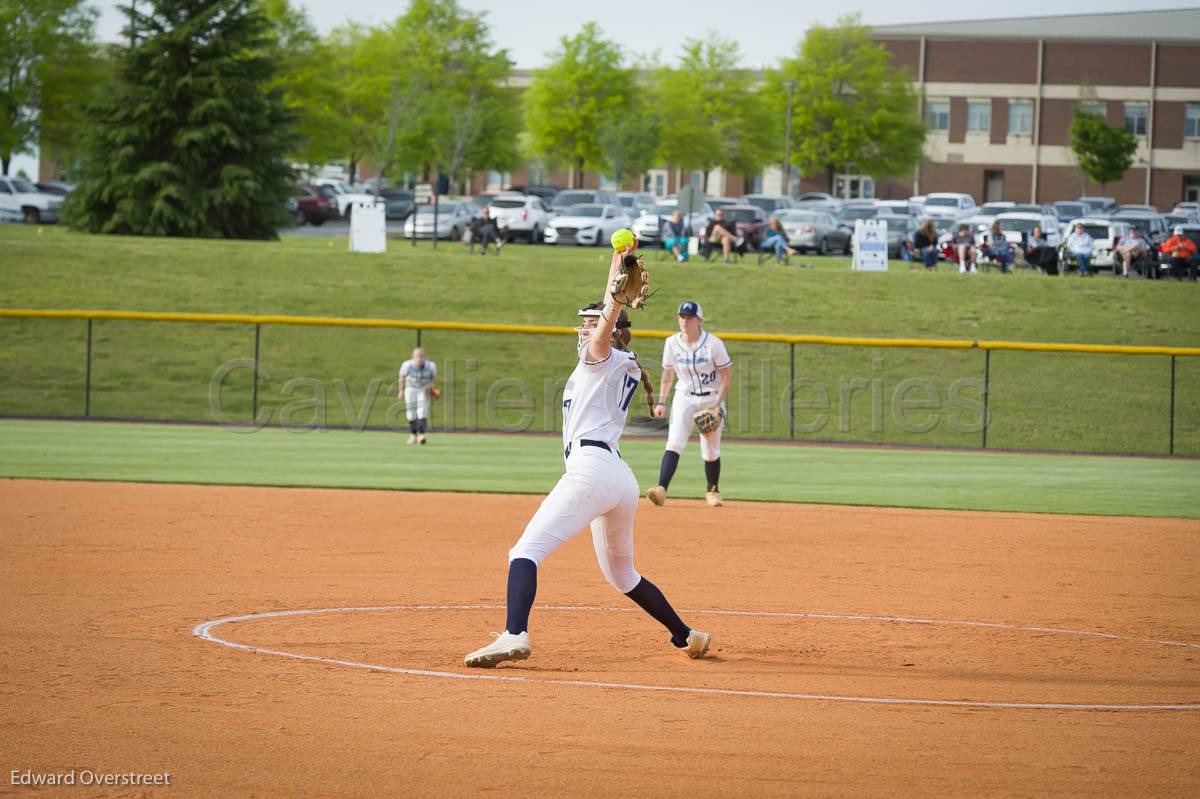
(598, 489)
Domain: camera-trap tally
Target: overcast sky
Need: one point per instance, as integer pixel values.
(765, 29)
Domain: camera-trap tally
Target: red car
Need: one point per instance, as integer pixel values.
(314, 206)
(751, 222)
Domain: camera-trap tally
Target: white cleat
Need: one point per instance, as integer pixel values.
(421, 438)
(412, 439)
(509, 647)
(657, 495)
(713, 498)
(697, 644)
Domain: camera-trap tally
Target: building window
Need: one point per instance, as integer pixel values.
(1135, 118)
(1191, 121)
(979, 117)
(854, 187)
(937, 115)
(1020, 118)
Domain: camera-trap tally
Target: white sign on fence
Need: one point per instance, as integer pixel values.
(423, 193)
(368, 228)
(870, 246)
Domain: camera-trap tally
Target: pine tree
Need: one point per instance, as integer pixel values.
(189, 140)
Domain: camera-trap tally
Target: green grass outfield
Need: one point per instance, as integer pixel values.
(1065, 402)
(531, 464)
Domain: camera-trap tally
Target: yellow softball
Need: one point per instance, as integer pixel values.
(623, 238)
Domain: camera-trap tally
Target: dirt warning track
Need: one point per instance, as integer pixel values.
(993, 637)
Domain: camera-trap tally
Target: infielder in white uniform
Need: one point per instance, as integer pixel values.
(700, 362)
(598, 489)
(417, 377)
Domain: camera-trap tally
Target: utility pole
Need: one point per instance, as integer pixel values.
(787, 139)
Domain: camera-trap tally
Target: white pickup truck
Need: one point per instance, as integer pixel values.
(18, 195)
(346, 196)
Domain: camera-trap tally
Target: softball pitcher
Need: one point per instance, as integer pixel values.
(597, 489)
(700, 362)
(417, 377)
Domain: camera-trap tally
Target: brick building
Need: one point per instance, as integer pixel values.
(999, 96)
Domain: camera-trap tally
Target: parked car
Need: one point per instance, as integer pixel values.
(1184, 217)
(1186, 208)
(950, 204)
(816, 230)
(346, 196)
(544, 193)
(820, 197)
(523, 217)
(1105, 233)
(648, 227)
(896, 208)
(749, 220)
(398, 203)
(1153, 226)
(20, 196)
(1098, 205)
(720, 202)
(1137, 208)
(453, 217)
(9, 215)
(55, 187)
(900, 230)
(484, 198)
(636, 203)
(850, 213)
(314, 208)
(569, 197)
(1018, 224)
(771, 203)
(1066, 210)
(588, 224)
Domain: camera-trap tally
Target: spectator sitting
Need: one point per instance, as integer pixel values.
(775, 240)
(484, 232)
(723, 232)
(1079, 244)
(675, 237)
(999, 248)
(964, 245)
(925, 244)
(1040, 254)
(1182, 252)
(1129, 248)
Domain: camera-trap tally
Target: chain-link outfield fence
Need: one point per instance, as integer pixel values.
(307, 373)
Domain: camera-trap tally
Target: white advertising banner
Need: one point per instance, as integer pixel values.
(870, 246)
(368, 228)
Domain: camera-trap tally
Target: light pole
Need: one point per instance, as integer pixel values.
(787, 141)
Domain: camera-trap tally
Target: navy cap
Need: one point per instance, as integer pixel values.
(691, 308)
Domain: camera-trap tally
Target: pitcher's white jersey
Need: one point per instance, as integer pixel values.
(597, 396)
(417, 378)
(696, 366)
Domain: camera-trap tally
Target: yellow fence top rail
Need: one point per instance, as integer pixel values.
(478, 327)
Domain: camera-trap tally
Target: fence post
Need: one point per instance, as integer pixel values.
(254, 394)
(987, 378)
(418, 336)
(1171, 445)
(792, 390)
(87, 374)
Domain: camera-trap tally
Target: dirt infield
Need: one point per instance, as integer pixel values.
(104, 583)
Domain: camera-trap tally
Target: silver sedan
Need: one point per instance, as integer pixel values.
(816, 231)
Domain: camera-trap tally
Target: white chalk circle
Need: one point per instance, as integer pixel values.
(204, 631)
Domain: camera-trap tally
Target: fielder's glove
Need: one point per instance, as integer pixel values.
(708, 419)
(434, 393)
(631, 286)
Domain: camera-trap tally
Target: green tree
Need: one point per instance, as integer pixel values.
(851, 107)
(1104, 153)
(584, 88)
(630, 142)
(715, 117)
(42, 44)
(189, 140)
(309, 85)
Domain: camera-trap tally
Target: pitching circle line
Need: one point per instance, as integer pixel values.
(204, 632)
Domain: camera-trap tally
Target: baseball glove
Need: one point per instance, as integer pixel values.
(631, 286)
(434, 393)
(708, 419)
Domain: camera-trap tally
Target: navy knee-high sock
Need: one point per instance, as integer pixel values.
(421, 425)
(651, 600)
(712, 473)
(666, 469)
(412, 426)
(522, 587)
